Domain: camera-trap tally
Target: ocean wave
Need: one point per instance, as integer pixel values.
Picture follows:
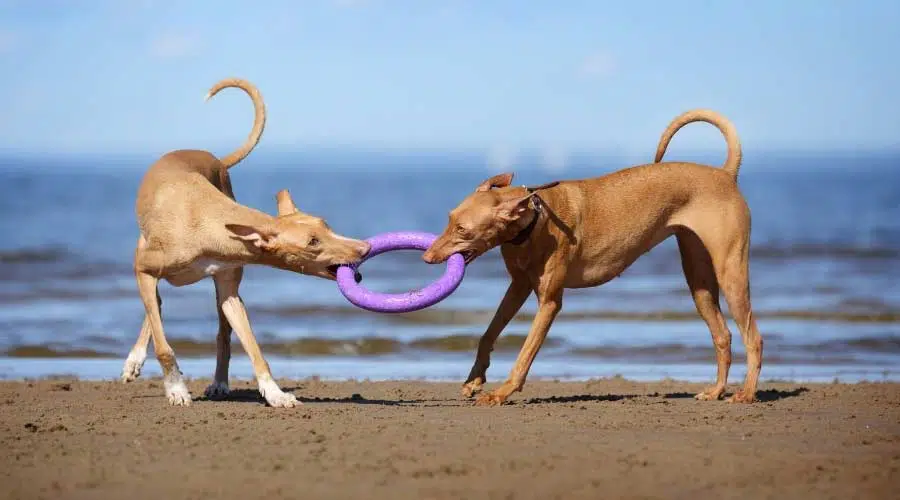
(75, 265)
(30, 264)
(64, 294)
(831, 351)
(41, 351)
(483, 316)
(801, 251)
(42, 255)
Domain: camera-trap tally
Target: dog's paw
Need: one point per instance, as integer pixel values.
(472, 388)
(281, 400)
(133, 364)
(710, 395)
(742, 397)
(217, 390)
(274, 396)
(490, 399)
(177, 393)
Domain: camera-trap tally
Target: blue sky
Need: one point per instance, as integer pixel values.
(130, 75)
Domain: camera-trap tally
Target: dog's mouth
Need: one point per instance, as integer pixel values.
(469, 255)
(333, 269)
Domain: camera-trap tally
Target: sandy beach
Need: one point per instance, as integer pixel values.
(609, 438)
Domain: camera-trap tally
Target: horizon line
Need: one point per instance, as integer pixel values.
(534, 151)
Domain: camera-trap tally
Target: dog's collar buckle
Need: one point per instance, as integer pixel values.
(538, 207)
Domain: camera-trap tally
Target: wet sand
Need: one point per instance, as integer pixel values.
(608, 438)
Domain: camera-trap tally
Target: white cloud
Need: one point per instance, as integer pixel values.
(174, 46)
(501, 158)
(554, 158)
(597, 65)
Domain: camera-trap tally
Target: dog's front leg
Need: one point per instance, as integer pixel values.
(518, 291)
(234, 310)
(549, 304)
(138, 354)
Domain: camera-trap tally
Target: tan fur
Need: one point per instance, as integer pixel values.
(589, 231)
(191, 228)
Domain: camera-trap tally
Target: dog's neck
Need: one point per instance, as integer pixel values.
(524, 233)
(537, 208)
(238, 250)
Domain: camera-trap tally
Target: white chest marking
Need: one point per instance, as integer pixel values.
(210, 267)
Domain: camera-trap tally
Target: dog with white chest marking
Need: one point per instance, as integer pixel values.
(192, 228)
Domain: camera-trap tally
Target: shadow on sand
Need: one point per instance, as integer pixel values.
(253, 396)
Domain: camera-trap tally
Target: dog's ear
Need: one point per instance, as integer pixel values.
(513, 208)
(260, 238)
(497, 181)
(285, 203)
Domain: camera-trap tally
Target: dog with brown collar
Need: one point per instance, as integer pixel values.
(583, 233)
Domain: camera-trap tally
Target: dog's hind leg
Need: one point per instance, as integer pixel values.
(219, 388)
(727, 238)
(701, 279)
(733, 271)
(176, 391)
(518, 291)
(233, 307)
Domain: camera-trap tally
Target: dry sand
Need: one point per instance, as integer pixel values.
(391, 440)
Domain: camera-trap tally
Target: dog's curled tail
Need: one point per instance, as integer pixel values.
(732, 162)
(259, 120)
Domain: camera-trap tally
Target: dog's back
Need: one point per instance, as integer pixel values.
(174, 191)
(611, 220)
(182, 184)
(646, 199)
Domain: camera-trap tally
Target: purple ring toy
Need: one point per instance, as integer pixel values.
(437, 291)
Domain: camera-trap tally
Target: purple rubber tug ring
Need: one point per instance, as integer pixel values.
(437, 291)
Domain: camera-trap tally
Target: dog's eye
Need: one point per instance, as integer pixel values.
(313, 241)
(460, 229)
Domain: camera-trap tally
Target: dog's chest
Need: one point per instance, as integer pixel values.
(209, 267)
(198, 270)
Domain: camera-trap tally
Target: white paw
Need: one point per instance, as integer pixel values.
(177, 393)
(217, 390)
(275, 396)
(133, 364)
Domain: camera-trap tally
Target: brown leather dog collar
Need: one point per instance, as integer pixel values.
(537, 204)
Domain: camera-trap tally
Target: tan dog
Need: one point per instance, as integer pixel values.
(191, 228)
(583, 233)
